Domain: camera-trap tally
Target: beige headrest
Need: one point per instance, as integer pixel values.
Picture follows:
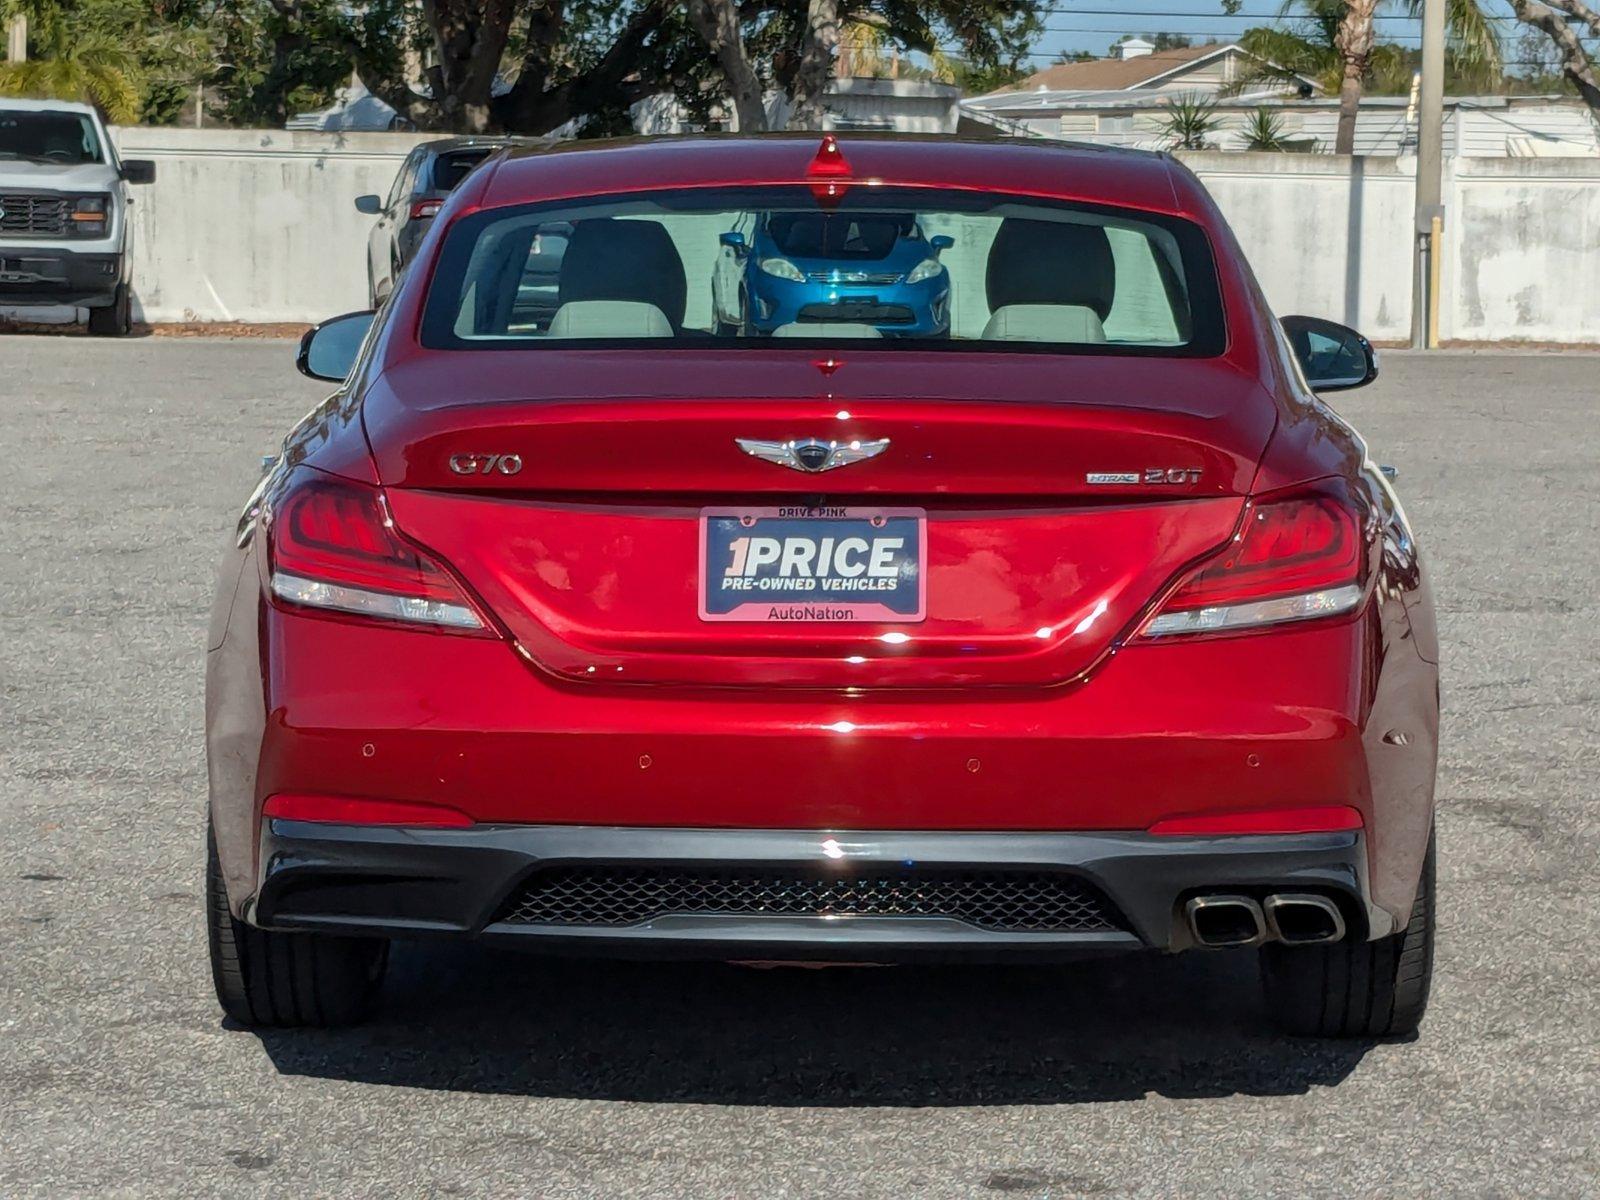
(1044, 323)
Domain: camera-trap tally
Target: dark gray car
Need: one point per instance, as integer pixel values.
(429, 174)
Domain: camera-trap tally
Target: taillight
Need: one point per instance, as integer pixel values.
(331, 544)
(1296, 558)
(425, 208)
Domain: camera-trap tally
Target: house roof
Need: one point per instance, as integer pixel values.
(1114, 74)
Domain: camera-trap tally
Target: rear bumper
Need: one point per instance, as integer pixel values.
(49, 276)
(1198, 726)
(464, 882)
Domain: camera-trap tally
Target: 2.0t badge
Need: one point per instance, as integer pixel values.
(1148, 475)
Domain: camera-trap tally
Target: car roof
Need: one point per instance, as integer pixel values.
(1093, 174)
(66, 106)
(476, 142)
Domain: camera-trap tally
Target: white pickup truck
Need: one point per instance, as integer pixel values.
(65, 237)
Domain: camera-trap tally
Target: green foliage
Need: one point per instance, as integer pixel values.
(1188, 120)
(994, 35)
(1474, 45)
(261, 61)
(1264, 131)
(975, 79)
(91, 69)
(978, 45)
(130, 58)
(274, 59)
(1305, 45)
(988, 40)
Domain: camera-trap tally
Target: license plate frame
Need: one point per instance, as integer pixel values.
(898, 599)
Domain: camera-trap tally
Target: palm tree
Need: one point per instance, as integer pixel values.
(867, 51)
(1264, 131)
(1188, 121)
(92, 67)
(1335, 43)
(1309, 49)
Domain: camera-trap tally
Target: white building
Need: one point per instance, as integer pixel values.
(899, 105)
(1139, 71)
(1474, 126)
(353, 108)
(896, 105)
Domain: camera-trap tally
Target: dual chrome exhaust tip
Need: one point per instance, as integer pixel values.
(1293, 918)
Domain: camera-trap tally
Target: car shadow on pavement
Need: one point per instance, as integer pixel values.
(478, 1019)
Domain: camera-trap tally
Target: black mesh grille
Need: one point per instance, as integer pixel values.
(988, 899)
(25, 214)
(866, 311)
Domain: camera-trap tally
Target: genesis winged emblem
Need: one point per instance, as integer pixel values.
(812, 454)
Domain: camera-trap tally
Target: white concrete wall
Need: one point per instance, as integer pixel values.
(255, 225)
(1327, 237)
(1522, 258)
(1332, 237)
(259, 225)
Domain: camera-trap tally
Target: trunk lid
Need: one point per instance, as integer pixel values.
(590, 551)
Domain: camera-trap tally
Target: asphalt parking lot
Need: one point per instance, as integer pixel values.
(489, 1073)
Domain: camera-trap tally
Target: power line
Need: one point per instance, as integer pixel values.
(1056, 55)
(1218, 16)
(1555, 68)
(1266, 23)
(1216, 33)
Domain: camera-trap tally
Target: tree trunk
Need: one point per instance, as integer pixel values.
(816, 65)
(469, 36)
(17, 39)
(534, 107)
(717, 22)
(1551, 19)
(1354, 42)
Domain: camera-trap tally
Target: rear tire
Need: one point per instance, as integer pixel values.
(116, 319)
(1357, 989)
(265, 978)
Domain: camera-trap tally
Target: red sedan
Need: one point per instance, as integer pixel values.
(595, 622)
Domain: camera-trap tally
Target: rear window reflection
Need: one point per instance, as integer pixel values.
(743, 267)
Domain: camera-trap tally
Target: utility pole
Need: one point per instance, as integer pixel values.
(1430, 187)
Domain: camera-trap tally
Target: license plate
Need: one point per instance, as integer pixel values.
(813, 565)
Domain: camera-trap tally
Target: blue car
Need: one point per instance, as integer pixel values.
(784, 271)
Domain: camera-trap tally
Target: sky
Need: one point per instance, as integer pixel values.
(1093, 25)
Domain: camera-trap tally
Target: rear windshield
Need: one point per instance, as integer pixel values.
(916, 267)
(450, 169)
(48, 137)
(842, 236)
